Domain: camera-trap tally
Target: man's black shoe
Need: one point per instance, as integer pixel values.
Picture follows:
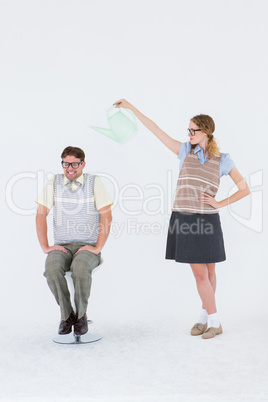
(66, 326)
(81, 326)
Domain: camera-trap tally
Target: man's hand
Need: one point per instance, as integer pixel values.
(92, 249)
(48, 249)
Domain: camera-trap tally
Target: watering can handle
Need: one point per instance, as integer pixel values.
(128, 110)
(108, 111)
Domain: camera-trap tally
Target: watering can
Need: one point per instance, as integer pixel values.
(123, 126)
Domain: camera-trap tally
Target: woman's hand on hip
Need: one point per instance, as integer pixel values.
(208, 199)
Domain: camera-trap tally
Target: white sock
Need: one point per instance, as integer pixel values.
(214, 320)
(203, 318)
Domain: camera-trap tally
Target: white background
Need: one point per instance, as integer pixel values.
(63, 64)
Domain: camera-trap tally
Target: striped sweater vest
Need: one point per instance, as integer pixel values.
(75, 216)
(195, 179)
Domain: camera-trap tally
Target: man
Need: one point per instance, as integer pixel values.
(81, 222)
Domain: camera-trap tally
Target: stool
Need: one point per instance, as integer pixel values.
(72, 338)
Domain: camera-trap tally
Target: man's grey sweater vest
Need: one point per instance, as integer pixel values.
(75, 216)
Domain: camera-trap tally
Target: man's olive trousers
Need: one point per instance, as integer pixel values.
(81, 265)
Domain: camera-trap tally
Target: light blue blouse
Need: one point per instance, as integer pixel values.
(226, 163)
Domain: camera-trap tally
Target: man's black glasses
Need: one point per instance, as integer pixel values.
(74, 165)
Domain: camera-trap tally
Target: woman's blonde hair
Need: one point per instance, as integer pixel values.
(207, 125)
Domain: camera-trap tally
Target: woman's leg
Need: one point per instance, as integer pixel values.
(205, 287)
(212, 277)
(206, 284)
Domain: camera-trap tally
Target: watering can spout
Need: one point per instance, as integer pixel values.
(104, 131)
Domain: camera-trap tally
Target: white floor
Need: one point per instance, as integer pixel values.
(136, 361)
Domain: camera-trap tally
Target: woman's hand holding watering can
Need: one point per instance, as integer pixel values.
(123, 103)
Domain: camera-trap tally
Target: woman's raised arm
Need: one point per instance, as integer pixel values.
(169, 142)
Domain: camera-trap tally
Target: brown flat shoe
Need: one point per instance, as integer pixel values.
(198, 329)
(211, 332)
(81, 326)
(66, 326)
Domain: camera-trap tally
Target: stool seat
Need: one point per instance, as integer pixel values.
(72, 338)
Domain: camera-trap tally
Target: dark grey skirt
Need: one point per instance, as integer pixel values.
(195, 238)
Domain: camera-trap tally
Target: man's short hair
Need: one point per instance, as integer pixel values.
(73, 151)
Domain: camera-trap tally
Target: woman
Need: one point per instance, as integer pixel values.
(195, 234)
